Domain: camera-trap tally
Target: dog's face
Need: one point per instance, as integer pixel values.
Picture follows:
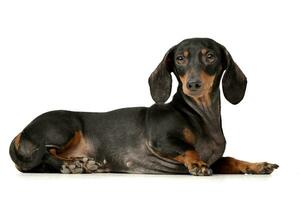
(198, 65)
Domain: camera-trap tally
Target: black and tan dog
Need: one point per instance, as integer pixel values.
(183, 136)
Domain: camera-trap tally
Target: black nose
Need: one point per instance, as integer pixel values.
(194, 85)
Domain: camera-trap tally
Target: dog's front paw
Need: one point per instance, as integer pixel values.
(200, 169)
(261, 168)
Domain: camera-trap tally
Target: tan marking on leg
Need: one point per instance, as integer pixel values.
(17, 141)
(189, 136)
(78, 146)
(53, 152)
(190, 158)
(193, 163)
(228, 165)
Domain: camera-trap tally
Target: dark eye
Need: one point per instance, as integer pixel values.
(179, 58)
(210, 57)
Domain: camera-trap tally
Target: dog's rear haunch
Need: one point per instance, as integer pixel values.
(180, 137)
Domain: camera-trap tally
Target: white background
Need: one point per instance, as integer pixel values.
(97, 56)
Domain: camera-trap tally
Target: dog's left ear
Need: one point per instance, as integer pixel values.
(160, 80)
(234, 81)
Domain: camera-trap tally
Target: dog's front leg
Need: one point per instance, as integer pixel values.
(228, 165)
(194, 164)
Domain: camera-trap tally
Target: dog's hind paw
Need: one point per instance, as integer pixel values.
(83, 165)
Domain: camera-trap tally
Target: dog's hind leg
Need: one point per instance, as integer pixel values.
(74, 165)
(26, 153)
(74, 157)
(228, 165)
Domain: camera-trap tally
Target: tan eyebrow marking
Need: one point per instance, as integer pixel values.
(186, 53)
(204, 51)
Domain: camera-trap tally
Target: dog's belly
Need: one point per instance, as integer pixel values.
(138, 159)
(153, 165)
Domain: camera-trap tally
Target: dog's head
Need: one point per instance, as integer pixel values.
(198, 64)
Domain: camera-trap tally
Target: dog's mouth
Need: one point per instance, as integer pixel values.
(201, 96)
(196, 94)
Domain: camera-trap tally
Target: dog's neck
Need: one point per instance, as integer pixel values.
(206, 106)
(209, 113)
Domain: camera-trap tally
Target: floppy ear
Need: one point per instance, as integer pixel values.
(234, 81)
(160, 80)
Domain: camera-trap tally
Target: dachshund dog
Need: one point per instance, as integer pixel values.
(184, 136)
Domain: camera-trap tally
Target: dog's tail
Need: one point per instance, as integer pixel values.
(25, 154)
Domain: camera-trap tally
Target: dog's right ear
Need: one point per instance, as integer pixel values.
(160, 80)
